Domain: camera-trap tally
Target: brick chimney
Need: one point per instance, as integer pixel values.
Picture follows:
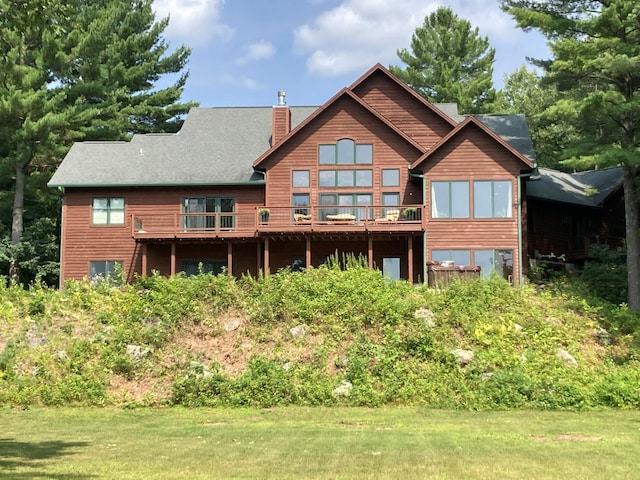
(281, 119)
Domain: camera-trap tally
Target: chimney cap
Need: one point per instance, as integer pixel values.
(282, 98)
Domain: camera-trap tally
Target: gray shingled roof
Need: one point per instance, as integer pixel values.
(589, 188)
(214, 146)
(513, 129)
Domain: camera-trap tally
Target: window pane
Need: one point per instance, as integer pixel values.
(391, 177)
(116, 203)
(460, 199)
(482, 200)
(345, 178)
(391, 267)
(345, 199)
(364, 154)
(346, 151)
(301, 178)
(300, 199)
(440, 200)
(327, 178)
(392, 199)
(364, 178)
(116, 217)
(101, 203)
(502, 199)
(99, 217)
(327, 154)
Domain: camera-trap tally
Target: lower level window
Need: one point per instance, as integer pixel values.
(391, 267)
(499, 261)
(195, 267)
(104, 269)
(458, 257)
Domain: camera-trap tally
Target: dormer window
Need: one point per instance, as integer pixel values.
(345, 152)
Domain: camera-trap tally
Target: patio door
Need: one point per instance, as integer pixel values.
(207, 207)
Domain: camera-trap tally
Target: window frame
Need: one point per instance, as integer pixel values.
(106, 273)
(307, 183)
(345, 152)
(108, 211)
(435, 214)
(395, 171)
(494, 207)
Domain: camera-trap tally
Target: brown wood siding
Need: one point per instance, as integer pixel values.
(345, 119)
(83, 242)
(403, 109)
(472, 155)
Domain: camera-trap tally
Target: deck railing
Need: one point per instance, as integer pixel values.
(324, 218)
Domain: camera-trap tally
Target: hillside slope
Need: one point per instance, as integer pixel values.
(326, 336)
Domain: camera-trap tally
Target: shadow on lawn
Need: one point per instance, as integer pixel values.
(31, 458)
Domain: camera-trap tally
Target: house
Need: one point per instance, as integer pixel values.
(569, 212)
(376, 171)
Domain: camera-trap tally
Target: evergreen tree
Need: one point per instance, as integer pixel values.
(449, 62)
(596, 47)
(73, 70)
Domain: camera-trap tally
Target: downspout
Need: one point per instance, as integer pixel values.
(424, 235)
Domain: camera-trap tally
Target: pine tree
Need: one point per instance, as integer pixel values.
(596, 47)
(73, 70)
(449, 62)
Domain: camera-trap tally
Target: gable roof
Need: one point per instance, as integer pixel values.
(341, 95)
(472, 120)
(589, 189)
(214, 146)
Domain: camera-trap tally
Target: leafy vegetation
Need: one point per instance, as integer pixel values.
(340, 334)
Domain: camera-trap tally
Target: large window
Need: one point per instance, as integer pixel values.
(345, 152)
(107, 211)
(345, 178)
(492, 199)
(450, 199)
(348, 203)
(499, 261)
(208, 207)
(458, 257)
(104, 269)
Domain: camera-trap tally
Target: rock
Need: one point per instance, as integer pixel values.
(486, 375)
(299, 331)
(286, 366)
(231, 325)
(566, 357)
(553, 321)
(603, 337)
(137, 352)
(62, 356)
(34, 338)
(517, 327)
(426, 315)
(344, 389)
(463, 357)
(342, 362)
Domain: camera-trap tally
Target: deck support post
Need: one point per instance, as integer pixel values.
(410, 258)
(229, 258)
(307, 256)
(266, 257)
(144, 260)
(258, 257)
(173, 258)
(370, 252)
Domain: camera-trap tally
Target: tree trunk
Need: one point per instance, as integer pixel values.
(17, 221)
(633, 238)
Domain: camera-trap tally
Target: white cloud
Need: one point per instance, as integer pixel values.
(261, 50)
(239, 81)
(193, 22)
(358, 33)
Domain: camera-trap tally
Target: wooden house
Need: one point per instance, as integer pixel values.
(569, 212)
(376, 171)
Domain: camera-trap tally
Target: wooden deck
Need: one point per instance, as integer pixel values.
(280, 220)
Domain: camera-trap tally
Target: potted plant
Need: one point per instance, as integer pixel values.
(410, 213)
(264, 215)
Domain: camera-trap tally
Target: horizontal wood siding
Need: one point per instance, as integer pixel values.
(345, 119)
(403, 109)
(472, 155)
(83, 242)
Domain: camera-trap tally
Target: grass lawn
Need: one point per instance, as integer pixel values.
(323, 443)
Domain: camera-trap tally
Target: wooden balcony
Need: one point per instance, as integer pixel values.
(280, 220)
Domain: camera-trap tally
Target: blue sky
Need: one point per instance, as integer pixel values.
(244, 51)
